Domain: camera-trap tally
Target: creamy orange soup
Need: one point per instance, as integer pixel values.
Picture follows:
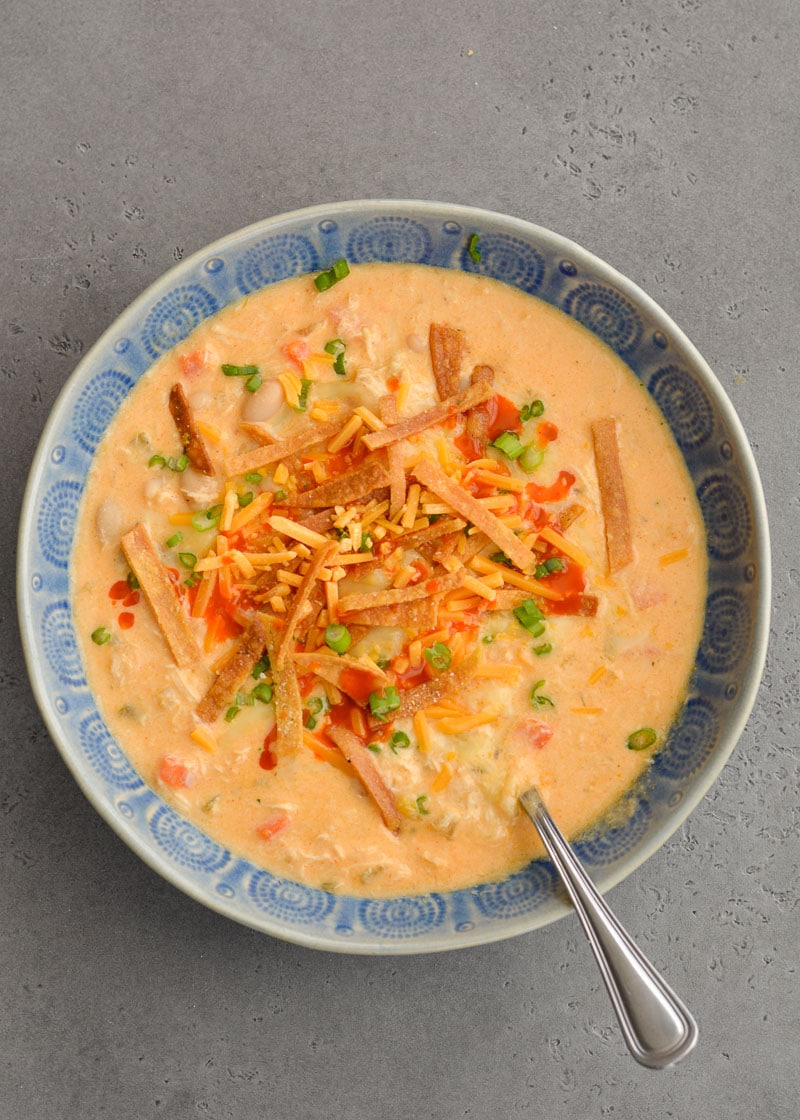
(396, 758)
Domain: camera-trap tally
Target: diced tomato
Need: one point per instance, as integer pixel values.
(546, 432)
(468, 447)
(126, 620)
(273, 826)
(503, 416)
(538, 734)
(192, 364)
(174, 773)
(119, 590)
(296, 351)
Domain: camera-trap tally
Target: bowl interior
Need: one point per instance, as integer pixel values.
(732, 649)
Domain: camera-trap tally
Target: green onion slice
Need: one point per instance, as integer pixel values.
(253, 384)
(542, 649)
(253, 477)
(337, 348)
(528, 615)
(439, 656)
(132, 581)
(246, 499)
(262, 692)
(472, 248)
(538, 699)
(260, 668)
(100, 636)
(302, 397)
(374, 747)
(642, 739)
(399, 741)
(205, 519)
(337, 638)
(157, 461)
(529, 411)
(510, 444)
(240, 371)
(332, 275)
(381, 704)
(232, 713)
(176, 538)
(531, 458)
(188, 559)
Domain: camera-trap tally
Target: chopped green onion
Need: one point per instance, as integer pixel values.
(439, 656)
(383, 662)
(262, 692)
(280, 495)
(487, 639)
(245, 699)
(337, 348)
(366, 543)
(374, 747)
(157, 461)
(205, 520)
(188, 559)
(640, 740)
(316, 706)
(132, 581)
(215, 512)
(510, 444)
(380, 704)
(178, 465)
(422, 805)
(554, 564)
(260, 668)
(240, 371)
(336, 272)
(253, 477)
(337, 638)
(529, 411)
(253, 384)
(528, 614)
(544, 648)
(176, 538)
(246, 499)
(500, 558)
(192, 580)
(531, 458)
(472, 248)
(232, 713)
(537, 629)
(399, 740)
(100, 636)
(302, 396)
(538, 700)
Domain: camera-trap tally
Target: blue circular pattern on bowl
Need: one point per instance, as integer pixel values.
(509, 259)
(607, 313)
(105, 754)
(389, 239)
(185, 844)
(276, 258)
(96, 406)
(175, 316)
(726, 514)
(288, 901)
(685, 405)
(56, 521)
(717, 456)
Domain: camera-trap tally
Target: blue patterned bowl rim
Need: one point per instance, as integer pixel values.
(398, 936)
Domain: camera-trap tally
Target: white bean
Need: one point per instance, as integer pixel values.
(263, 404)
(109, 520)
(417, 342)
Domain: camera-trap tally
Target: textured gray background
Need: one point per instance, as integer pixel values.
(661, 134)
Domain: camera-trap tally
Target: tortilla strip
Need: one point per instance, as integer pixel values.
(347, 488)
(234, 672)
(361, 760)
(190, 437)
(287, 700)
(445, 346)
(330, 667)
(478, 417)
(569, 515)
(437, 414)
(321, 557)
(506, 600)
(397, 472)
(303, 437)
(468, 506)
(371, 599)
(161, 594)
(612, 493)
(418, 616)
(424, 695)
(318, 522)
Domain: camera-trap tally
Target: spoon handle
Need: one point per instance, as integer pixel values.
(657, 1027)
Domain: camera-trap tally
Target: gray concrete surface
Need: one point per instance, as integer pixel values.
(663, 135)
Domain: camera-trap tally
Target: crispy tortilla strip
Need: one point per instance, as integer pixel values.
(361, 760)
(287, 699)
(419, 616)
(347, 488)
(188, 434)
(347, 673)
(464, 503)
(162, 596)
(612, 493)
(397, 473)
(478, 417)
(445, 345)
(507, 600)
(318, 522)
(423, 695)
(301, 438)
(437, 414)
(569, 516)
(234, 672)
(369, 600)
(301, 597)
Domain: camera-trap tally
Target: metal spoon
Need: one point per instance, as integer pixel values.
(657, 1027)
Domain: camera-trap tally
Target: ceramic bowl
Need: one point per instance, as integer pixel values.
(729, 660)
